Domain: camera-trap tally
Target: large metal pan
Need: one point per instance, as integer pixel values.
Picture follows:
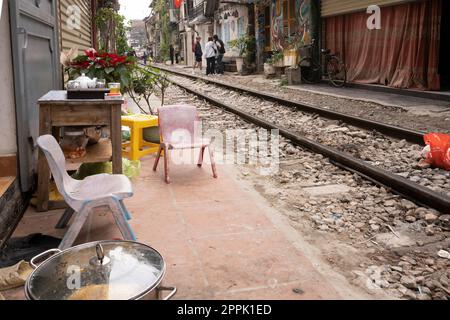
(103, 270)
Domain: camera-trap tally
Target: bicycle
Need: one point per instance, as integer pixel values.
(312, 70)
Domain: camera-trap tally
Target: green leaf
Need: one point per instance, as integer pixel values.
(109, 70)
(124, 80)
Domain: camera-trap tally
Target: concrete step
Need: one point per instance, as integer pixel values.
(230, 66)
(5, 182)
(12, 206)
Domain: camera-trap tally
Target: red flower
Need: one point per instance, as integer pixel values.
(80, 64)
(91, 54)
(116, 59)
(102, 63)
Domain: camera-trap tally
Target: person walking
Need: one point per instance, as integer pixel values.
(221, 52)
(177, 54)
(198, 53)
(172, 54)
(145, 57)
(210, 55)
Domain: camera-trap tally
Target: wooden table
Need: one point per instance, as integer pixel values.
(56, 111)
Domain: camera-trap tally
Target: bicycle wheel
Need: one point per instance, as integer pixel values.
(310, 70)
(337, 73)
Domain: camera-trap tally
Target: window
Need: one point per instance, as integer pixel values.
(240, 23)
(289, 19)
(226, 33)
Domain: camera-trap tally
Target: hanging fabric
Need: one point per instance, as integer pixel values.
(403, 54)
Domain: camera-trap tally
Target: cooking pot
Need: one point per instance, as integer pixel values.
(102, 270)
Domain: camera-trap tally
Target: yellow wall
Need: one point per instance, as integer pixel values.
(79, 37)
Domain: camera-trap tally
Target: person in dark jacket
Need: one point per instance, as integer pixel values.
(145, 57)
(198, 53)
(221, 52)
(172, 54)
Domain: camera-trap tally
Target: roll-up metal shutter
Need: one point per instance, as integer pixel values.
(337, 7)
(78, 36)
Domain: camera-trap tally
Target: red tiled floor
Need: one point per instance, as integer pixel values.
(225, 217)
(286, 291)
(215, 236)
(252, 260)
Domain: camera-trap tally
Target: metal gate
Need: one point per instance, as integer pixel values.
(34, 35)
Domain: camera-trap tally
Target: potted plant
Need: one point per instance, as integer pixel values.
(269, 68)
(147, 81)
(109, 66)
(246, 46)
(269, 65)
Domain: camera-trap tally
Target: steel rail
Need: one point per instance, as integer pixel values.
(410, 135)
(397, 184)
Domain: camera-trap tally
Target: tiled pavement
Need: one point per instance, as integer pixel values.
(215, 234)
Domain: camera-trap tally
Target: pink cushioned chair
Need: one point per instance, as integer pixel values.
(179, 126)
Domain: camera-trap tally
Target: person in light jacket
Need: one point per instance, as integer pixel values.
(210, 55)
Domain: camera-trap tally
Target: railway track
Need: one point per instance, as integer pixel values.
(423, 196)
(413, 136)
(367, 217)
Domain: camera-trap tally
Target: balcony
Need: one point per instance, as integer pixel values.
(203, 12)
(197, 11)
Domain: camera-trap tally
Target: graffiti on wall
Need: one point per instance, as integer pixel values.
(302, 33)
(303, 16)
(277, 27)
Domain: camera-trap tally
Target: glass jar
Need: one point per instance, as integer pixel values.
(114, 88)
(74, 142)
(101, 84)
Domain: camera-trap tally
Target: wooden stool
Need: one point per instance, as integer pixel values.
(138, 147)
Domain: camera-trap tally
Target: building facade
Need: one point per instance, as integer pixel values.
(283, 26)
(136, 36)
(162, 28)
(72, 12)
(231, 22)
(406, 52)
(33, 34)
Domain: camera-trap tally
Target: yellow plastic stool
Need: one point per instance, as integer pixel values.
(138, 147)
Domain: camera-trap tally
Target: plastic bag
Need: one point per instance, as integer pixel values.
(439, 154)
(131, 169)
(90, 169)
(126, 134)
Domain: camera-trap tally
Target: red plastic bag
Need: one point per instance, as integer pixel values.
(439, 155)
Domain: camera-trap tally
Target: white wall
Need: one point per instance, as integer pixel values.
(231, 24)
(188, 54)
(8, 142)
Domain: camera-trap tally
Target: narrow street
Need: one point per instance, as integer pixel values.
(376, 240)
(207, 150)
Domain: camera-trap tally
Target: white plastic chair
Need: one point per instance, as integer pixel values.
(83, 196)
